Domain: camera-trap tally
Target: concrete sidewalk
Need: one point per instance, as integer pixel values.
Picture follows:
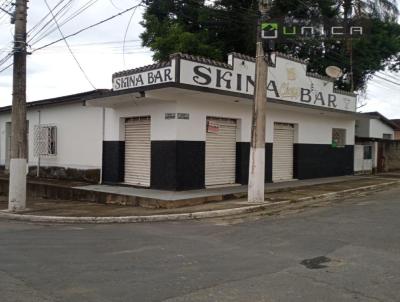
(42, 210)
(209, 192)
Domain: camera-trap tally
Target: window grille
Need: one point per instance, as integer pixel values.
(367, 152)
(338, 138)
(45, 141)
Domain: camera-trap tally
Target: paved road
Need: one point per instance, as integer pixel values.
(355, 247)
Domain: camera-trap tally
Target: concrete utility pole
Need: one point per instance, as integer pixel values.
(257, 148)
(18, 162)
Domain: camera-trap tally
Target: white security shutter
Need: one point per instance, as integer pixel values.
(220, 152)
(282, 154)
(137, 151)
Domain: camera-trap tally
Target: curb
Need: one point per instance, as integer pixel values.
(186, 216)
(132, 219)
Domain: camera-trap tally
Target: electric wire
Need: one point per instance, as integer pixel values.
(49, 26)
(87, 27)
(69, 48)
(126, 33)
(75, 14)
(31, 33)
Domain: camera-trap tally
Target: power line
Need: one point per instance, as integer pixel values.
(69, 48)
(89, 27)
(44, 30)
(42, 20)
(68, 19)
(390, 76)
(338, 60)
(5, 68)
(387, 80)
(126, 32)
(113, 4)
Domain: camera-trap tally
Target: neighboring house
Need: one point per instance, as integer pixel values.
(397, 130)
(64, 137)
(374, 136)
(186, 124)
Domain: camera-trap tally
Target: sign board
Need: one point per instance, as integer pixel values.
(147, 78)
(212, 127)
(288, 81)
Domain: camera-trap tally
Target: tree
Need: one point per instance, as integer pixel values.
(191, 26)
(213, 30)
(381, 9)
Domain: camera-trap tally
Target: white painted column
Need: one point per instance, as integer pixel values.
(17, 191)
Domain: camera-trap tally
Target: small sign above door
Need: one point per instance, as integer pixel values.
(212, 127)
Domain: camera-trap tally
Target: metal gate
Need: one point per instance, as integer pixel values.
(137, 151)
(220, 151)
(282, 154)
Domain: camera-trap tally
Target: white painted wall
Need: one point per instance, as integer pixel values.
(312, 127)
(79, 128)
(362, 127)
(79, 135)
(361, 164)
(378, 128)
(373, 128)
(161, 129)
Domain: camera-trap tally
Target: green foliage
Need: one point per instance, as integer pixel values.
(216, 28)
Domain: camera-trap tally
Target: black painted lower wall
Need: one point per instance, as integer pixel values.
(180, 165)
(313, 161)
(242, 162)
(113, 161)
(177, 165)
(310, 161)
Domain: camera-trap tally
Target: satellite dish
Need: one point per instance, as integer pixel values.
(334, 72)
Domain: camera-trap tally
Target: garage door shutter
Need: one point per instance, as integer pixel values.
(220, 152)
(137, 151)
(282, 154)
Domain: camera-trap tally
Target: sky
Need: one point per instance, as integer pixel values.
(53, 71)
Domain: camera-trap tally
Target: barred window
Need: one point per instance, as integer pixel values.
(45, 140)
(338, 138)
(367, 152)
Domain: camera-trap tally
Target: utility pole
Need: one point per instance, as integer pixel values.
(257, 148)
(18, 162)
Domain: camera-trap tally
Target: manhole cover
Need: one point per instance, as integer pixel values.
(315, 263)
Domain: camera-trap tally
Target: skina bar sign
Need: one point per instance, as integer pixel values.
(152, 77)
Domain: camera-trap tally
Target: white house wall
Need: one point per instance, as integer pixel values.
(79, 135)
(313, 127)
(161, 128)
(363, 127)
(378, 129)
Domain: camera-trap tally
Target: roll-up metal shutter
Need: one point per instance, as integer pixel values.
(282, 154)
(137, 151)
(220, 151)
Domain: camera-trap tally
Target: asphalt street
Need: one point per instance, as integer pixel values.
(348, 251)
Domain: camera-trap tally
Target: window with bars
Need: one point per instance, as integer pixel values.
(338, 138)
(367, 152)
(45, 140)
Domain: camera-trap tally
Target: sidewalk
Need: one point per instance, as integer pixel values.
(210, 192)
(278, 195)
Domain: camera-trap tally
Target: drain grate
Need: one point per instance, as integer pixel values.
(315, 263)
